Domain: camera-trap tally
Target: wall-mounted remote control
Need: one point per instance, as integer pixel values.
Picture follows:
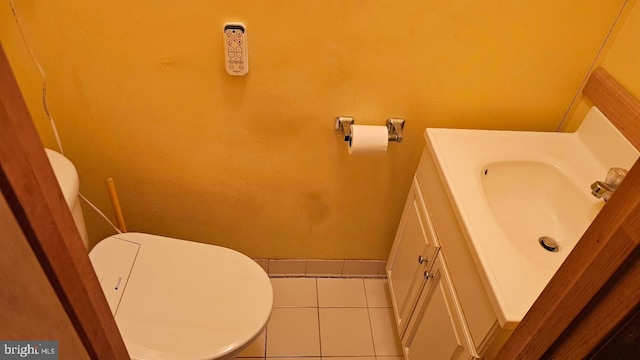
(236, 58)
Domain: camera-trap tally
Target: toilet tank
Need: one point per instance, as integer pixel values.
(69, 183)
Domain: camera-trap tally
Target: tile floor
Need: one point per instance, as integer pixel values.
(328, 319)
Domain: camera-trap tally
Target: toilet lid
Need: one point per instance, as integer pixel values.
(176, 299)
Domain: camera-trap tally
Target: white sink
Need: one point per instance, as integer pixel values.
(533, 199)
(509, 188)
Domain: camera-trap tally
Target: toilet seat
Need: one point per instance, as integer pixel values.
(176, 299)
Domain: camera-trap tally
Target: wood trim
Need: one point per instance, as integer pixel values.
(596, 288)
(29, 308)
(615, 103)
(618, 346)
(28, 183)
(607, 310)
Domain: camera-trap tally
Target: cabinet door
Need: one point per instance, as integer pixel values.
(413, 253)
(435, 331)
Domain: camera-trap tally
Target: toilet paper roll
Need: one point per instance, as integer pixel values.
(368, 138)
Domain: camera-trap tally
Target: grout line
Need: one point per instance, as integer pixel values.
(306, 265)
(373, 340)
(318, 314)
(366, 298)
(266, 334)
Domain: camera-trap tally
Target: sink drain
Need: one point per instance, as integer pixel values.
(548, 243)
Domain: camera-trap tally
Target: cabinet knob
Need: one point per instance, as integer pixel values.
(427, 275)
(421, 260)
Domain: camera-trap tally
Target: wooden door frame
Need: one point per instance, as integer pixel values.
(28, 183)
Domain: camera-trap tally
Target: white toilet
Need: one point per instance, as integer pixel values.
(174, 299)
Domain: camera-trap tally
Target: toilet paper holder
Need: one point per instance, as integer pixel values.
(343, 124)
(395, 127)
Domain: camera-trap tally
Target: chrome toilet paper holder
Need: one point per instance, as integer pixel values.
(395, 127)
(343, 125)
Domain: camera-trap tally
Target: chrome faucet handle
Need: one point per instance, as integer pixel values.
(602, 190)
(615, 176)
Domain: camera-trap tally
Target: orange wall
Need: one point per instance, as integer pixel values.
(139, 92)
(620, 60)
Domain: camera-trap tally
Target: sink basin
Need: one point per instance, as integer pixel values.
(510, 188)
(533, 199)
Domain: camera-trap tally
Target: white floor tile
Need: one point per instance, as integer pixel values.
(377, 292)
(361, 268)
(294, 292)
(343, 328)
(256, 349)
(345, 332)
(287, 267)
(341, 293)
(293, 332)
(331, 268)
(385, 340)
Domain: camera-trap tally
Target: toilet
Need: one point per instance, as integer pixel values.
(174, 299)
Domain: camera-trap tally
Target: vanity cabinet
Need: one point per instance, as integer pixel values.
(414, 254)
(435, 332)
(441, 308)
